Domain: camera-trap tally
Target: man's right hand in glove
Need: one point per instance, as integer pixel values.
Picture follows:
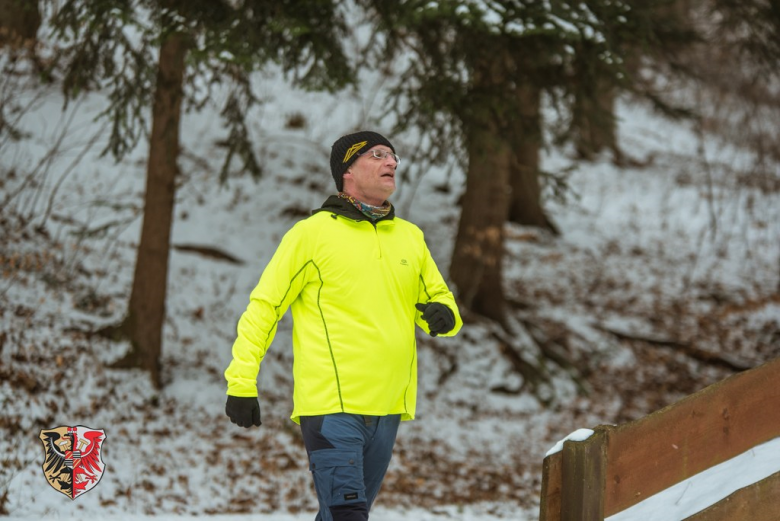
(243, 411)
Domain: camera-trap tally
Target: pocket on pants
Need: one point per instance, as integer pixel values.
(338, 476)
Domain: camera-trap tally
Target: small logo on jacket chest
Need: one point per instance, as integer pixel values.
(404, 262)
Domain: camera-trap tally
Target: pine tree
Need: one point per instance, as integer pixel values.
(476, 81)
(662, 32)
(167, 53)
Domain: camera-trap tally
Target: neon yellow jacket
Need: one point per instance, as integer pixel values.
(352, 286)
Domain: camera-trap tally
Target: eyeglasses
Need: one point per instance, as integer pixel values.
(381, 154)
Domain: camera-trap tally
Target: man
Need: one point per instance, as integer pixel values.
(358, 278)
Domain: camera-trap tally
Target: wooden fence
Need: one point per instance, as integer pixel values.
(618, 467)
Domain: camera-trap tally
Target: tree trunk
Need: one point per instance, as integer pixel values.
(525, 206)
(476, 267)
(593, 124)
(146, 312)
(19, 23)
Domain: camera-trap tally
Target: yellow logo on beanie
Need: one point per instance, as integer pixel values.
(354, 148)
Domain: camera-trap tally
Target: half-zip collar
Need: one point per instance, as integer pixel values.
(338, 206)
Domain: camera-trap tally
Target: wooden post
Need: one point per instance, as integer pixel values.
(550, 503)
(620, 466)
(584, 477)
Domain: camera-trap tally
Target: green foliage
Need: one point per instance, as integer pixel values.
(98, 50)
(113, 44)
(238, 141)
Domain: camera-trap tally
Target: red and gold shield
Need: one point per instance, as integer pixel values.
(72, 458)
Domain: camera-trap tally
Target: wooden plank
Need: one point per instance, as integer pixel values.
(757, 502)
(692, 435)
(550, 501)
(583, 475)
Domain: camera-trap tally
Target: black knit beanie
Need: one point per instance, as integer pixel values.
(346, 150)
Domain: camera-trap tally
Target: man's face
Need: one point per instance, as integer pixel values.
(371, 179)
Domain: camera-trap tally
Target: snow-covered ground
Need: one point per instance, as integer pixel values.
(684, 247)
(377, 514)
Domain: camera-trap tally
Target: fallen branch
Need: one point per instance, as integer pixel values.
(718, 359)
(207, 251)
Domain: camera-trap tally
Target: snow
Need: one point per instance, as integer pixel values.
(682, 233)
(578, 435)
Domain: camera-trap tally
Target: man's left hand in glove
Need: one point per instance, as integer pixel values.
(438, 316)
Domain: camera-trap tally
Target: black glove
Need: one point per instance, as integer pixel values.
(439, 317)
(243, 411)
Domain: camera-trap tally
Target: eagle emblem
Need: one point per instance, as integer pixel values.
(72, 461)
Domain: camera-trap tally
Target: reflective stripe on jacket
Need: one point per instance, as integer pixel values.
(352, 285)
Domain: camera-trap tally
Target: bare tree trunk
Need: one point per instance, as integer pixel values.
(146, 312)
(476, 267)
(525, 205)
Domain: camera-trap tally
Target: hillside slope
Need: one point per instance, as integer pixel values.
(664, 280)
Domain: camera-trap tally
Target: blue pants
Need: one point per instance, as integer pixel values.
(348, 458)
